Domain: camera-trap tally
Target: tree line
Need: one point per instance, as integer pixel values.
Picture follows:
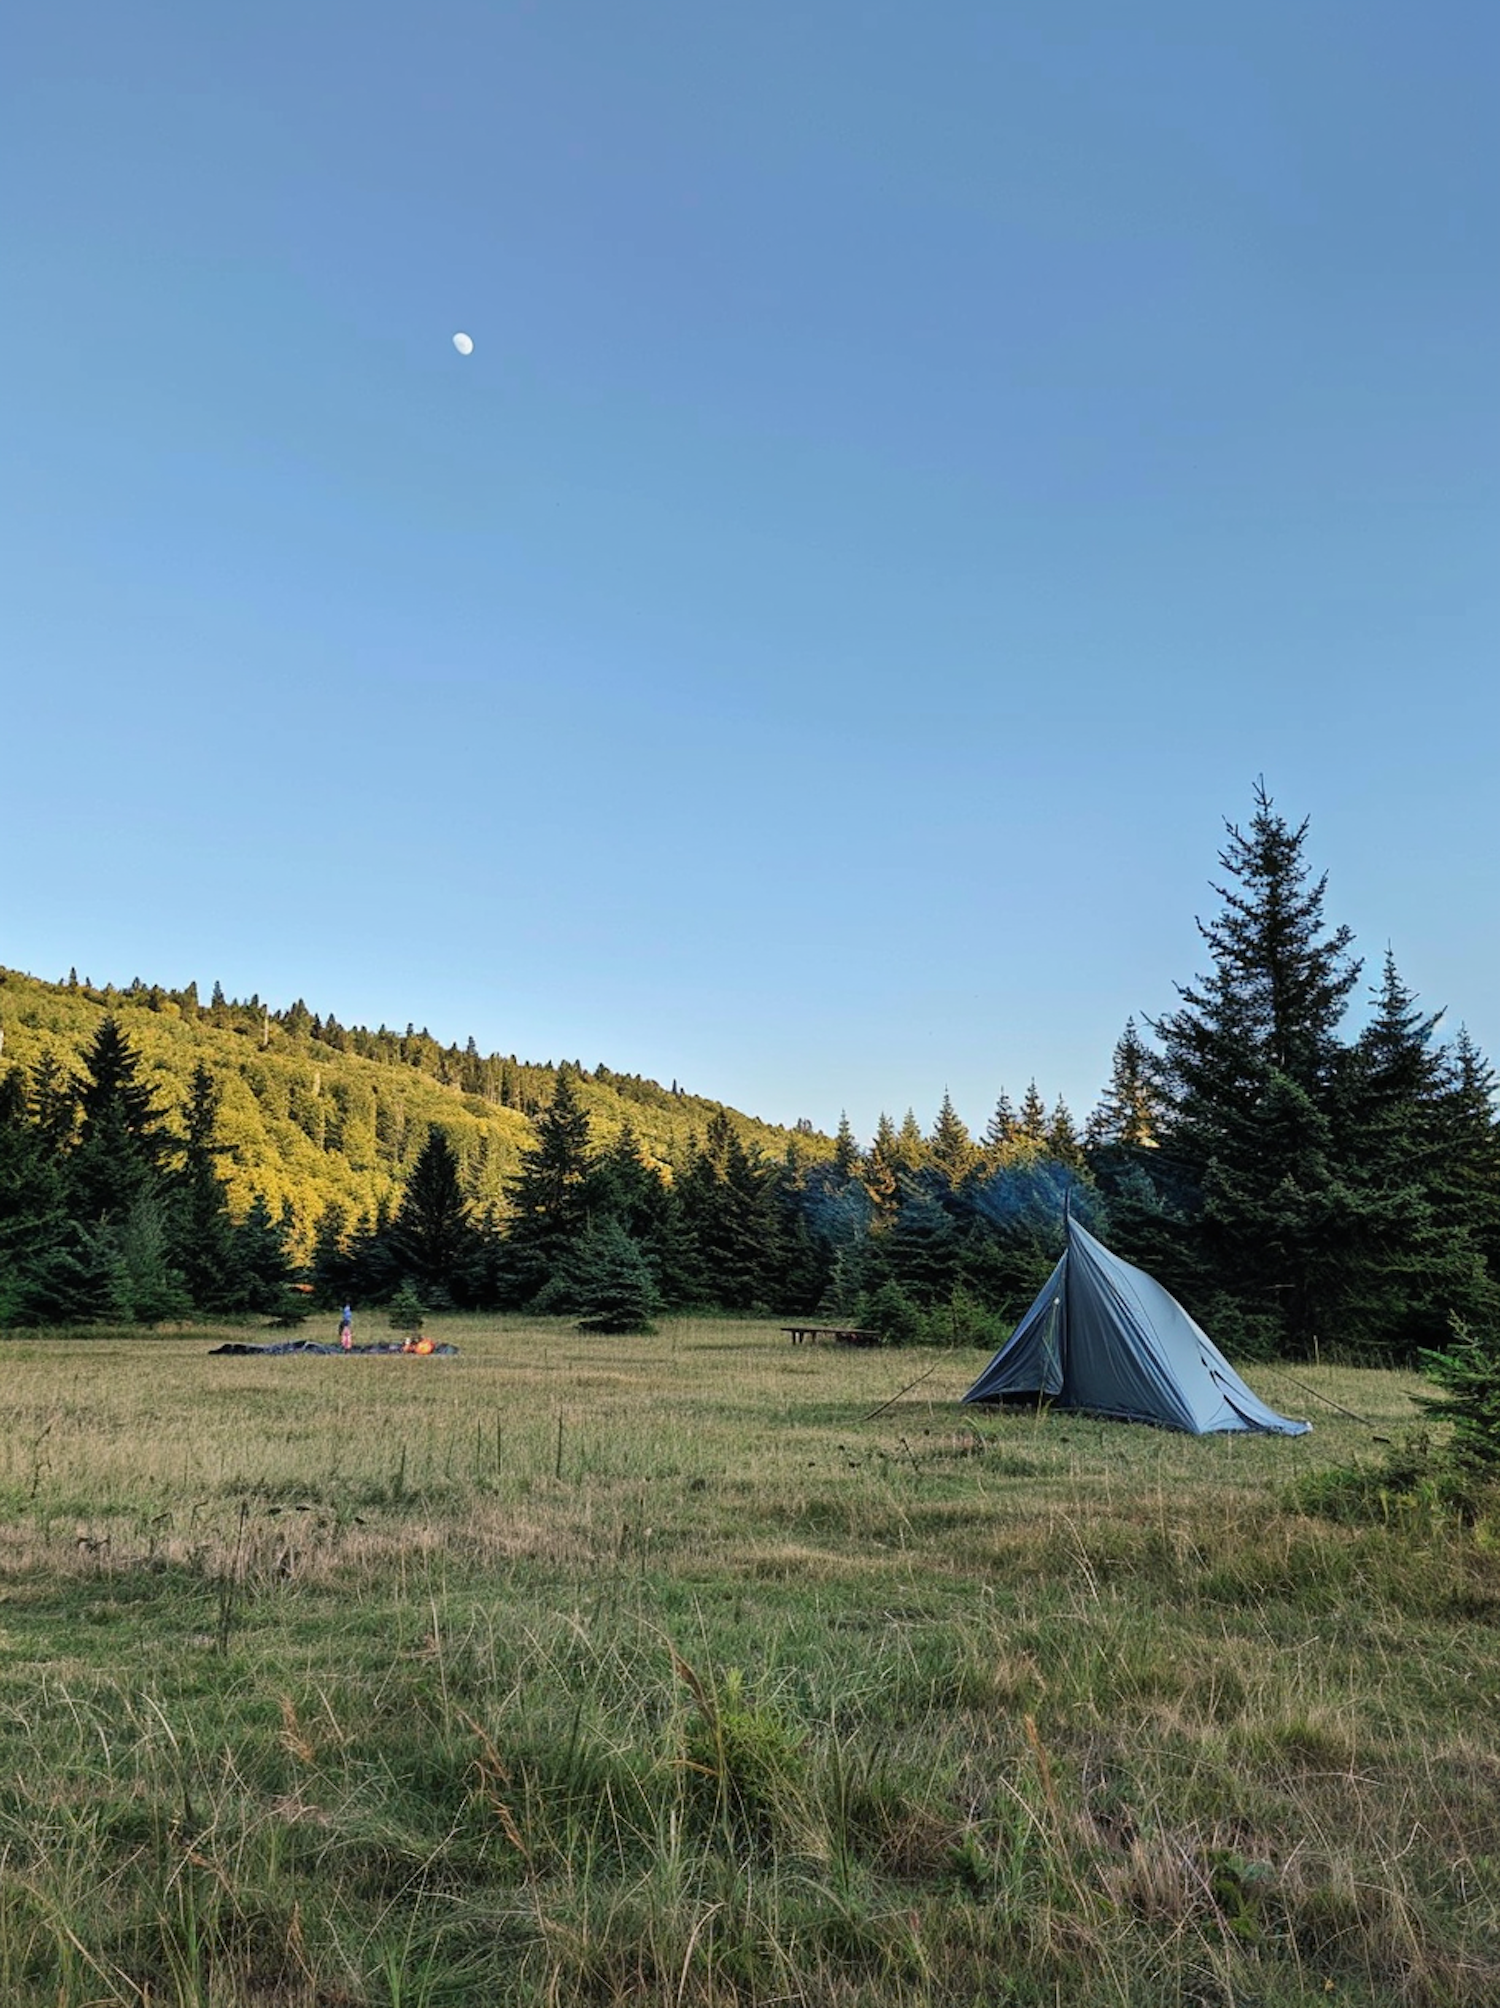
(312, 1113)
(106, 1214)
(500, 1079)
(1301, 1190)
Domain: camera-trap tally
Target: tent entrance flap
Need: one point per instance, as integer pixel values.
(1106, 1337)
(1031, 1361)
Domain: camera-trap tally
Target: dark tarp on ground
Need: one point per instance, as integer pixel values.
(313, 1346)
(1105, 1337)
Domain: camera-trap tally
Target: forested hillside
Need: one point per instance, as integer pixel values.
(1301, 1189)
(314, 1113)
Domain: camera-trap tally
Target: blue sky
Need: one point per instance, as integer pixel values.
(917, 467)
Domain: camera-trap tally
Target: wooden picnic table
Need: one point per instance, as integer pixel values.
(843, 1335)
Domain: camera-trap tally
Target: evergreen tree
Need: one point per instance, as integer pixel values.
(606, 1279)
(911, 1145)
(1011, 1231)
(40, 1273)
(1251, 1077)
(262, 1258)
(1424, 1265)
(845, 1149)
(144, 1287)
(882, 1170)
(1128, 1113)
(1274, 997)
(202, 1238)
(370, 1275)
(805, 1211)
(723, 1202)
(1062, 1136)
(432, 1238)
(820, 1221)
(921, 1253)
(121, 1144)
(1466, 1147)
(888, 1310)
(1031, 1123)
(471, 1071)
(620, 1185)
(112, 1088)
(549, 1197)
(1467, 1370)
(951, 1148)
(332, 1271)
(53, 1103)
(1001, 1130)
(116, 1188)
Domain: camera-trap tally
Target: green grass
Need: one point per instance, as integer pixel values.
(652, 1670)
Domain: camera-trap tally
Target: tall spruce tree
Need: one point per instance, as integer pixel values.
(432, 1238)
(1425, 1263)
(262, 1258)
(116, 1187)
(1001, 1130)
(951, 1148)
(911, 1145)
(1251, 1077)
(922, 1252)
(549, 1196)
(882, 1170)
(845, 1149)
(806, 1207)
(122, 1142)
(41, 1278)
(1031, 1122)
(1274, 996)
(202, 1238)
(52, 1098)
(332, 1270)
(1466, 1164)
(112, 1083)
(1062, 1136)
(621, 1186)
(1128, 1112)
(724, 1195)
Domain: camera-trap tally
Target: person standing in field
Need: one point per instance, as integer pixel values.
(346, 1328)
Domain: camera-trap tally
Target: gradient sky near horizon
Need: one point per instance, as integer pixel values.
(917, 467)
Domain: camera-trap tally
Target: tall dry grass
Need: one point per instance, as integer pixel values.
(579, 1670)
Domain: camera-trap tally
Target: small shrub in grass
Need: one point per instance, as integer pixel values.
(407, 1311)
(1468, 1372)
(892, 1313)
(1421, 1484)
(1414, 1488)
(747, 1757)
(964, 1321)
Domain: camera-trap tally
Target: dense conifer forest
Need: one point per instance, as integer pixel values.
(1302, 1189)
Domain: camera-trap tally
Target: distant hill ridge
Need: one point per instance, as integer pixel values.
(316, 1112)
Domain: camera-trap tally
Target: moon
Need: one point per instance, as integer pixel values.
(463, 344)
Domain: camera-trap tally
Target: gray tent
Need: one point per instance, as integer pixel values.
(1103, 1336)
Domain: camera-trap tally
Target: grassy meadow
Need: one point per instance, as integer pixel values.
(663, 1670)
